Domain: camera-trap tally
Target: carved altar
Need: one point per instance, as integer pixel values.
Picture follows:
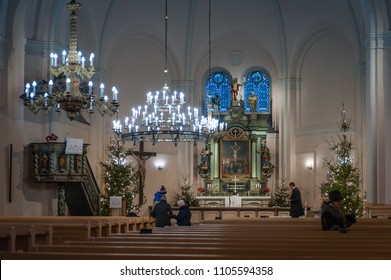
(236, 164)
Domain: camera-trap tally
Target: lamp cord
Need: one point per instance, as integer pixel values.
(210, 41)
(165, 45)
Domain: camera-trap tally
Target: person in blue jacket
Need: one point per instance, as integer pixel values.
(158, 194)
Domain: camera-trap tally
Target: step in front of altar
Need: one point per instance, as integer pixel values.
(234, 201)
(199, 214)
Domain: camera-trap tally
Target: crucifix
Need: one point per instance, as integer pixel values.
(142, 157)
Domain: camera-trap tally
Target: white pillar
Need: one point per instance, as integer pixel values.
(371, 147)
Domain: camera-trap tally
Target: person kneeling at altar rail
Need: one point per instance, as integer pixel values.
(162, 212)
(184, 215)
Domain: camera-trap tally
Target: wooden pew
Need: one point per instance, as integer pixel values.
(24, 237)
(20, 233)
(233, 239)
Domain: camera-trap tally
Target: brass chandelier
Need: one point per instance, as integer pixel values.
(71, 88)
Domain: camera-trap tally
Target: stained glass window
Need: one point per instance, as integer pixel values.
(218, 83)
(259, 83)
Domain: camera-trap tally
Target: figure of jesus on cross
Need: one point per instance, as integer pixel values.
(141, 157)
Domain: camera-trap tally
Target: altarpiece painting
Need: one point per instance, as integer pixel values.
(235, 159)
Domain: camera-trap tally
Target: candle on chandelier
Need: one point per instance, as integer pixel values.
(91, 105)
(50, 87)
(90, 84)
(46, 99)
(64, 54)
(102, 90)
(34, 87)
(68, 87)
(182, 97)
(27, 91)
(78, 56)
(92, 59)
(83, 59)
(55, 60)
(51, 59)
(115, 94)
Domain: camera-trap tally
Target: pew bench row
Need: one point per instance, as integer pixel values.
(229, 239)
(22, 233)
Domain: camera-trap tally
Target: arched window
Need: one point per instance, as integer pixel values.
(259, 83)
(219, 82)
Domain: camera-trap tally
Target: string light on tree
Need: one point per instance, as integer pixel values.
(343, 174)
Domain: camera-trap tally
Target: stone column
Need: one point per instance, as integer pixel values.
(371, 111)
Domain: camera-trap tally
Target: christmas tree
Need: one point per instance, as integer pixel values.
(119, 176)
(185, 192)
(281, 194)
(343, 174)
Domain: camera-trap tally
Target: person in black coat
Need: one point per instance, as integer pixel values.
(162, 213)
(296, 205)
(332, 217)
(184, 214)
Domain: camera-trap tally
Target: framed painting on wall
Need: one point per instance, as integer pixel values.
(235, 159)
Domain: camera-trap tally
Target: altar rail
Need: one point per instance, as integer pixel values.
(378, 211)
(210, 213)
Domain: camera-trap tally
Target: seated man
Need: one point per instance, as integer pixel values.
(332, 217)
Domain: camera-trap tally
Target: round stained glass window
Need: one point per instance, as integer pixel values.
(256, 77)
(218, 78)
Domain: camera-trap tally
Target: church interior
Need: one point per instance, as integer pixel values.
(224, 111)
